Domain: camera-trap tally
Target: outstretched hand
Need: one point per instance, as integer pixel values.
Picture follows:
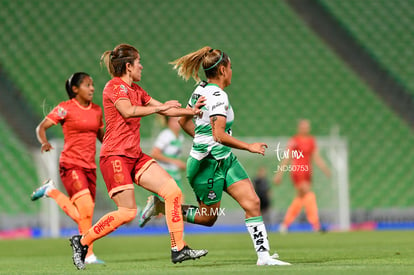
(199, 104)
(168, 105)
(257, 147)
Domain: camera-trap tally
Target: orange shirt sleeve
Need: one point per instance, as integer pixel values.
(145, 97)
(119, 91)
(58, 114)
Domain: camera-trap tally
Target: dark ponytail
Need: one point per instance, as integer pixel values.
(74, 80)
(116, 60)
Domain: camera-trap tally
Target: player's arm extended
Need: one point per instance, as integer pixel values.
(321, 164)
(179, 111)
(127, 110)
(187, 124)
(156, 153)
(41, 134)
(218, 126)
(279, 173)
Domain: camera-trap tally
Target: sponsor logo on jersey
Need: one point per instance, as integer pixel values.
(217, 93)
(218, 104)
(194, 98)
(101, 226)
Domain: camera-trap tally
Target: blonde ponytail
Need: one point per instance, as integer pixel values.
(189, 65)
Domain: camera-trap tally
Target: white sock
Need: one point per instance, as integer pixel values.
(258, 233)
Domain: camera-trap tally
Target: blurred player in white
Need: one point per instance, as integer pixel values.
(168, 147)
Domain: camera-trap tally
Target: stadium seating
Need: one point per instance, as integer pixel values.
(281, 72)
(385, 29)
(18, 174)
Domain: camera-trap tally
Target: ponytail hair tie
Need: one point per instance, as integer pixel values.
(215, 64)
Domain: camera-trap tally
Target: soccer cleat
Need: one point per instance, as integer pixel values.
(92, 259)
(42, 190)
(79, 251)
(271, 261)
(149, 210)
(187, 254)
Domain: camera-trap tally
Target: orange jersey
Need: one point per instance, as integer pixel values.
(122, 136)
(80, 126)
(301, 149)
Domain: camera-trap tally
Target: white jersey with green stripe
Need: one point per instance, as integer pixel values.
(170, 146)
(216, 104)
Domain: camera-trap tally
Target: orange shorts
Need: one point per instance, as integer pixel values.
(120, 172)
(78, 180)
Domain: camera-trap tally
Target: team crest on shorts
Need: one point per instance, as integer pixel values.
(119, 177)
(211, 195)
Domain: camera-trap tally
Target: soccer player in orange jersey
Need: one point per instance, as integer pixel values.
(122, 161)
(301, 150)
(82, 124)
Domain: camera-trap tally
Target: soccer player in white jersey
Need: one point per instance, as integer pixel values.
(212, 168)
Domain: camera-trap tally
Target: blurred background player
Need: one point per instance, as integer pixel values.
(82, 124)
(303, 147)
(262, 188)
(166, 151)
(212, 167)
(168, 147)
(122, 161)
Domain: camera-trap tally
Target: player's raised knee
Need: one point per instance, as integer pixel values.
(171, 191)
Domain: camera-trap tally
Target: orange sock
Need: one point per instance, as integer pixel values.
(311, 209)
(293, 211)
(65, 203)
(172, 196)
(85, 205)
(108, 223)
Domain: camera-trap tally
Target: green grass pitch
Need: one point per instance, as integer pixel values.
(390, 252)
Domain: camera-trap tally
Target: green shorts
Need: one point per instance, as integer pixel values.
(209, 177)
